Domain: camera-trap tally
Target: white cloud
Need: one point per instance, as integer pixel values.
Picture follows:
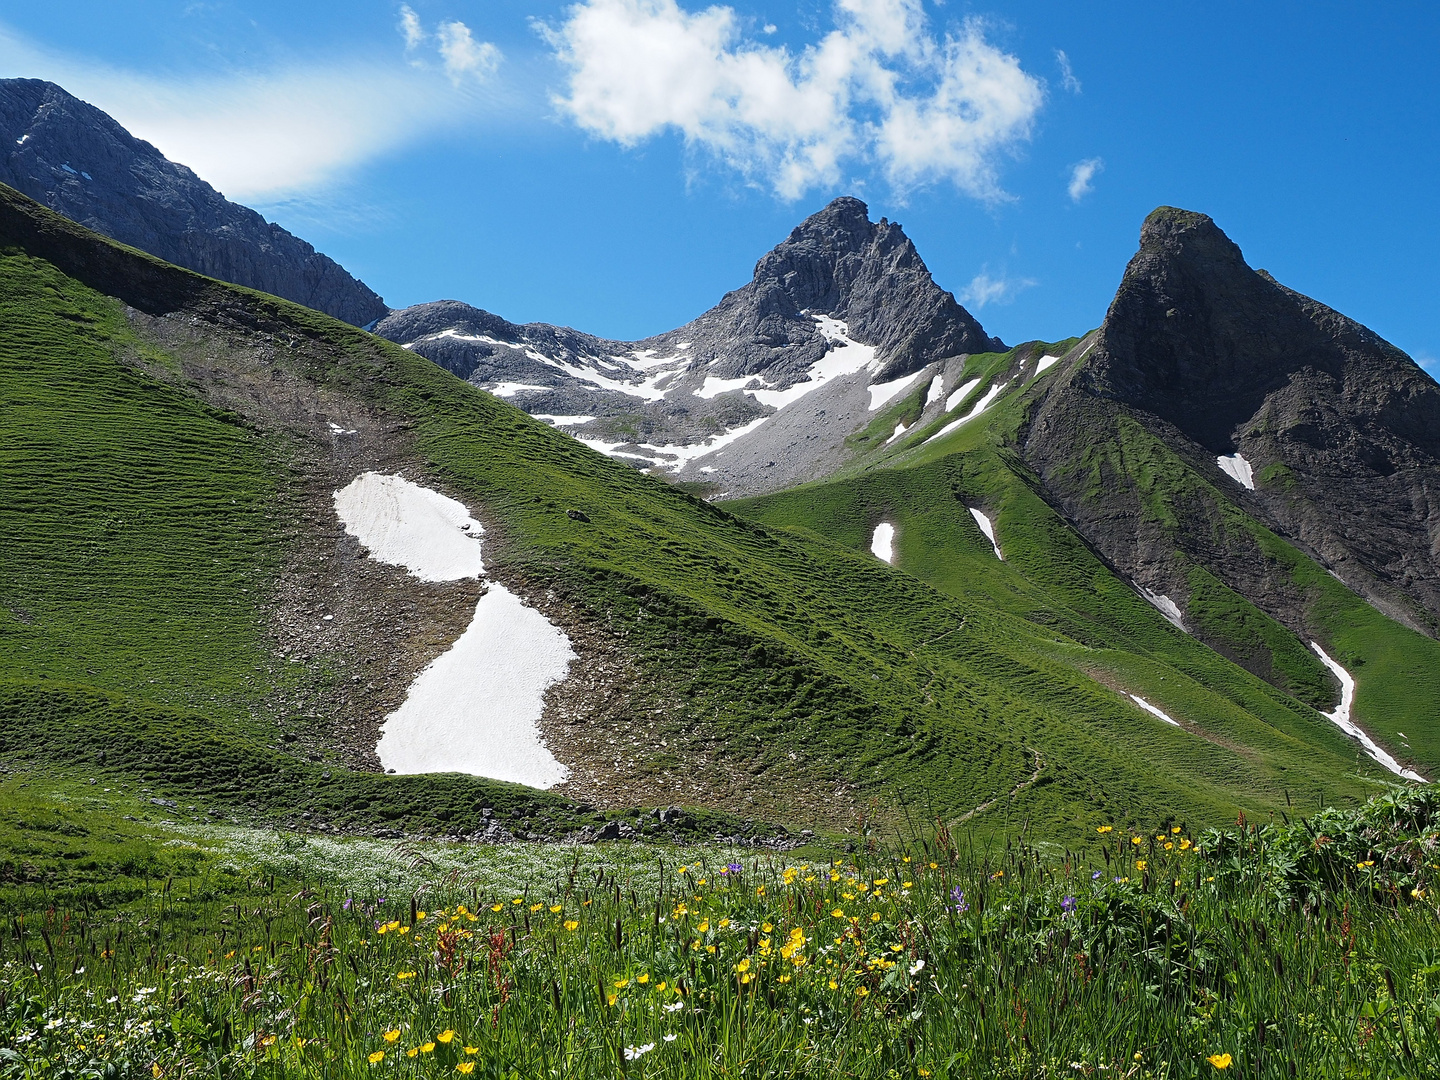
(983, 289)
(261, 134)
(1081, 176)
(463, 55)
(1067, 73)
(410, 28)
(879, 88)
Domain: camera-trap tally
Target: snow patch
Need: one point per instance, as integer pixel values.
(1236, 467)
(882, 543)
(884, 393)
(979, 407)
(1341, 718)
(936, 391)
(960, 394)
(847, 358)
(900, 429)
(1044, 364)
(678, 454)
(474, 708)
(510, 389)
(336, 429)
(22, 139)
(404, 524)
(988, 528)
(1165, 606)
(1152, 710)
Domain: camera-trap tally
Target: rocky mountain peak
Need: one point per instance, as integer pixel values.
(78, 161)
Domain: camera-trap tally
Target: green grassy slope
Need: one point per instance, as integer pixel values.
(808, 665)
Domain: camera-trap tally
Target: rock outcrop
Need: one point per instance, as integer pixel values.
(1317, 427)
(78, 161)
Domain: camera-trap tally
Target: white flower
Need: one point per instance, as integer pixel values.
(674, 1006)
(917, 967)
(633, 1052)
(671, 1038)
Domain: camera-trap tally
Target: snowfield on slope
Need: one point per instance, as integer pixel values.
(1238, 469)
(474, 709)
(1152, 710)
(882, 543)
(988, 528)
(1341, 718)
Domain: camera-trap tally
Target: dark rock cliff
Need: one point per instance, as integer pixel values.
(75, 159)
(1208, 358)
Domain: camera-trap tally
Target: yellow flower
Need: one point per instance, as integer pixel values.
(1417, 893)
(874, 916)
(155, 1070)
(412, 1052)
(571, 924)
(882, 881)
(834, 985)
(1136, 840)
(404, 929)
(377, 1057)
(555, 909)
(743, 965)
(518, 900)
(1175, 830)
(642, 979)
(907, 884)
(497, 907)
(536, 907)
(1104, 828)
(472, 1049)
(610, 999)
(1168, 845)
(862, 991)
(704, 926)
(427, 1048)
(445, 1036)
(420, 915)
(620, 984)
(392, 1035)
(466, 1067)
(1220, 1061)
(838, 913)
(1140, 864)
(766, 927)
(724, 923)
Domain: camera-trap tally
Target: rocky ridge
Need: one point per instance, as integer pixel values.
(843, 304)
(1312, 424)
(75, 159)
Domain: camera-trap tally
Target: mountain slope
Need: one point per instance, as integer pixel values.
(1142, 435)
(756, 393)
(78, 161)
(719, 663)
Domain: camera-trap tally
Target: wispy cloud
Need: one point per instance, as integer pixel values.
(984, 289)
(1082, 176)
(461, 55)
(267, 133)
(879, 89)
(1067, 73)
(1429, 363)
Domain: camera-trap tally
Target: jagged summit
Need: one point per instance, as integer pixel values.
(777, 374)
(75, 159)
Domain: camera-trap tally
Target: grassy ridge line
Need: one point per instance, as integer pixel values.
(1068, 607)
(47, 727)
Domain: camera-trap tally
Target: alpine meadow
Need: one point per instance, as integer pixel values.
(822, 688)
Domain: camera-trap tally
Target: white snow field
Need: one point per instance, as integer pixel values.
(1044, 364)
(882, 543)
(1152, 710)
(900, 429)
(988, 529)
(1341, 718)
(936, 391)
(404, 524)
(884, 393)
(1238, 469)
(1165, 606)
(979, 407)
(475, 708)
(960, 393)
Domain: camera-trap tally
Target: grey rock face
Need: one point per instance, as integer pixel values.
(78, 161)
(841, 304)
(1340, 429)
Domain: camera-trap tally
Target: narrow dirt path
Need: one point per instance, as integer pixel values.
(1039, 764)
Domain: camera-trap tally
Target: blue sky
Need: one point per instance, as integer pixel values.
(616, 165)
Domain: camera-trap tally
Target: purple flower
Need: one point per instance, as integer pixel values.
(1068, 905)
(348, 902)
(958, 895)
(1095, 876)
(734, 867)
